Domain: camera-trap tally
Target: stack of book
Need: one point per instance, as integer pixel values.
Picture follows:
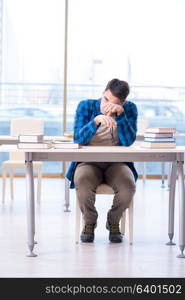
(159, 138)
(32, 141)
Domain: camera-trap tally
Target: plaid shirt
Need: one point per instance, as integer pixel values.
(85, 128)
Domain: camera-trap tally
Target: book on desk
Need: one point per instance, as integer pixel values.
(64, 145)
(161, 137)
(165, 130)
(155, 145)
(30, 138)
(48, 145)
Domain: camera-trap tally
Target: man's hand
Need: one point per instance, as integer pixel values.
(111, 108)
(105, 120)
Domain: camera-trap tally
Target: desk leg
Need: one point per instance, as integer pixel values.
(30, 204)
(163, 174)
(173, 178)
(169, 174)
(181, 209)
(66, 199)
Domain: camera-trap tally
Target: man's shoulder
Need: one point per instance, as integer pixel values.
(130, 105)
(88, 103)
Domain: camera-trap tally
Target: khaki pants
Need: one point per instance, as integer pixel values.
(89, 175)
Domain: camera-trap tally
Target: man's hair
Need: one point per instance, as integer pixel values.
(118, 88)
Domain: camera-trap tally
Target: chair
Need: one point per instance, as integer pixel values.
(105, 189)
(25, 125)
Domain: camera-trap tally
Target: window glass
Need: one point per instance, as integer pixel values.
(33, 65)
(138, 41)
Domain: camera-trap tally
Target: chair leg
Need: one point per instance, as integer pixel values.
(77, 222)
(11, 184)
(39, 179)
(3, 184)
(122, 222)
(144, 171)
(131, 222)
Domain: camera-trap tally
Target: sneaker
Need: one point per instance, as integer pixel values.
(87, 235)
(115, 235)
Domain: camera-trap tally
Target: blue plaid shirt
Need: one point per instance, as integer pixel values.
(85, 128)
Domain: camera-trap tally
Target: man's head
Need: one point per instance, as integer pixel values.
(118, 88)
(115, 92)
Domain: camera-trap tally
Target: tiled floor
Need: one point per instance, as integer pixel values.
(59, 256)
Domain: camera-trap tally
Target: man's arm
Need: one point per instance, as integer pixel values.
(84, 130)
(127, 125)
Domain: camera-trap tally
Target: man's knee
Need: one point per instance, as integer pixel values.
(125, 193)
(127, 185)
(87, 181)
(130, 185)
(87, 175)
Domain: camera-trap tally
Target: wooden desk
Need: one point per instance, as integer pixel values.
(107, 154)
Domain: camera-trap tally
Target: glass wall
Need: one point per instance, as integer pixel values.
(32, 83)
(139, 41)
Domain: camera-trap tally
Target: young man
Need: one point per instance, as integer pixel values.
(108, 121)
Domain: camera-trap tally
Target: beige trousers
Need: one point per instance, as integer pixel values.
(89, 175)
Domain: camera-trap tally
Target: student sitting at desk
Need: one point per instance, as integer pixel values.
(108, 121)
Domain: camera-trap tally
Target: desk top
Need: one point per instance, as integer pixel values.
(8, 139)
(95, 149)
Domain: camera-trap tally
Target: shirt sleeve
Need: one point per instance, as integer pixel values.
(84, 128)
(127, 125)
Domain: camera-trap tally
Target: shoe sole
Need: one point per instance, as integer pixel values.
(115, 242)
(87, 239)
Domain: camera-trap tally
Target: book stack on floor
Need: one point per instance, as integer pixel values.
(38, 142)
(159, 138)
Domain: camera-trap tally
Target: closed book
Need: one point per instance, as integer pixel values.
(160, 129)
(156, 140)
(158, 145)
(61, 145)
(158, 135)
(34, 145)
(30, 138)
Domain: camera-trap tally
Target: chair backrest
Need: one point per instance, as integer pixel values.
(25, 125)
(104, 189)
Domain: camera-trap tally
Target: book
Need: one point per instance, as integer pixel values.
(57, 138)
(48, 145)
(34, 145)
(158, 135)
(30, 138)
(61, 145)
(155, 140)
(158, 145)
(160, 130)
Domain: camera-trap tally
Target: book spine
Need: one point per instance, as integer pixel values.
(160, 130)
(30, 138)
(158, 135)
(159, 140)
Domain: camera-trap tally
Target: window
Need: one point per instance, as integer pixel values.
(140, 41)
(33, 65)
